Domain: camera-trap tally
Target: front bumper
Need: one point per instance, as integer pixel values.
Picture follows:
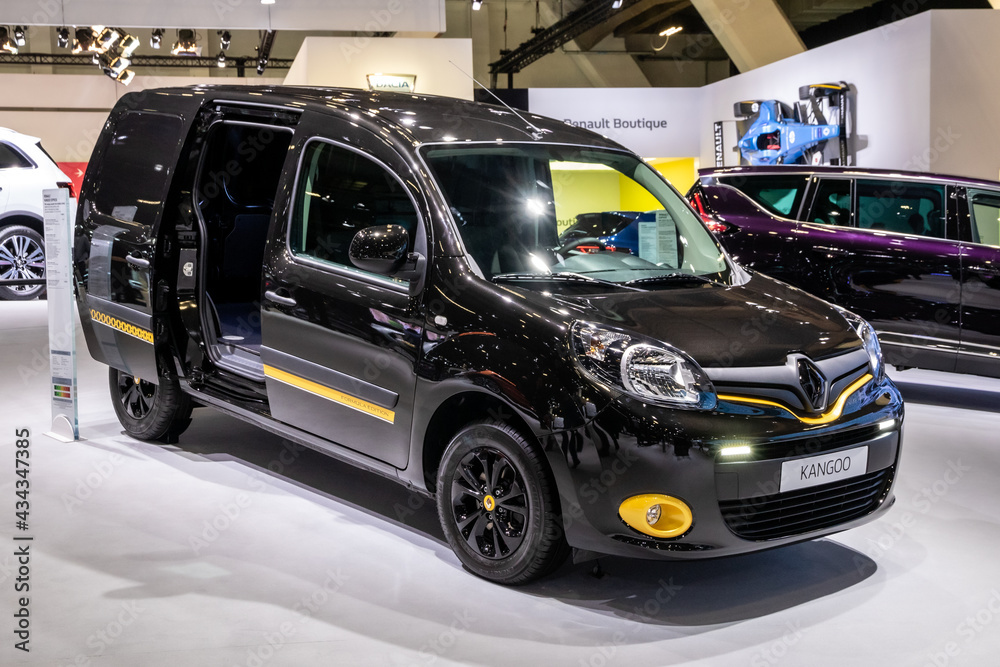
(737, 502)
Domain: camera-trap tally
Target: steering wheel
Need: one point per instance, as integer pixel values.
(575, 243)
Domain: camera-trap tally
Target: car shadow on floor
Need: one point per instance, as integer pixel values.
(667, 593)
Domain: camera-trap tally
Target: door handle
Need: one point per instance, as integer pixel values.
(138, 261)
(277, 298)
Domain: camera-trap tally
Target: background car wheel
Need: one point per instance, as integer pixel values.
(22, 257)
(149, 411)
(498, 505)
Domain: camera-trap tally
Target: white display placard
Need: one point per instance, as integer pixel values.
(58, 209)
(658, 240)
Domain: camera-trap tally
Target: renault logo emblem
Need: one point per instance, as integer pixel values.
(814, 385)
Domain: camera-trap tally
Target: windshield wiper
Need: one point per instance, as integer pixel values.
(672, 277)
(560, 277)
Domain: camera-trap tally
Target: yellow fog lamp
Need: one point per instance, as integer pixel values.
(656, 515)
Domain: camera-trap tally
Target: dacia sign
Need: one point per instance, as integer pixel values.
(393, 83)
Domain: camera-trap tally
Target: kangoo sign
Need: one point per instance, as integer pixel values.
(393, 83)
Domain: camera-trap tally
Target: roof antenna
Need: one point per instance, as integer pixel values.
(538, 132)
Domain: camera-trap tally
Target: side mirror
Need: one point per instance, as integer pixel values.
(380, 249)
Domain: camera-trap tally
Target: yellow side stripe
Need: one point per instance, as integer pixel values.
(832, 415)
(124, 327)
(323, 391)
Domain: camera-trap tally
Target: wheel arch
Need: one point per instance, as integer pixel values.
(25, 219)
(458, 410)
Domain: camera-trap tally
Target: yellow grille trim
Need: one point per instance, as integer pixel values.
(323, 391)
(126, 328)
(831, 415)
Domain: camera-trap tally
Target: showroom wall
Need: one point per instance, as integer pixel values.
(66, 111)
(890, 69)
(964, 94)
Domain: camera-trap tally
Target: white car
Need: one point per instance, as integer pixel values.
(25, 170)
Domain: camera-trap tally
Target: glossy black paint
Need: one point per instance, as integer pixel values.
(441, 347)
(932, 300)
(380, 249)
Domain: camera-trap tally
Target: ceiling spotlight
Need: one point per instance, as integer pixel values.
(616, 4)
(84, 40)
(125, 77)
(476, 4)
(119, 65)
(62, 38)
(156, 38)
(19, 35)
(6, 45)
(261, 65)
(221, 60)
(128, 45)
(225, 39)
(186, 44)
(267, 2)
(107, 38)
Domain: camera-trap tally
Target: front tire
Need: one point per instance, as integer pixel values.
(148, 411)
(498, 505)
(22, 257)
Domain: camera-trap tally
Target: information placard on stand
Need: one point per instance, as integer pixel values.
(59, 209)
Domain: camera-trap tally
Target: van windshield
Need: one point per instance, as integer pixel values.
(530, 212)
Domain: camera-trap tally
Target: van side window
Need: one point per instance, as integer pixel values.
(985, 207)
(137, 166)
(832, 203)
(338, 193)
(12, 159)
(906, 208)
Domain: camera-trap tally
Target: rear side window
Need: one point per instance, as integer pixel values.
(137, 165)
(11, 158)
(832, 203)
(780, 195)
(338, 193)
(898, 206)
(985, 207)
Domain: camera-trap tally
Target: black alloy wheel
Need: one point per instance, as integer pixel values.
(149, 411)
(489, 502)
(498, 505)
(136, 395)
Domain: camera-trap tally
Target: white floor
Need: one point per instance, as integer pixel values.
(235, 548)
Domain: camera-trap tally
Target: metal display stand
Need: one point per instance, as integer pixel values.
(59, 209)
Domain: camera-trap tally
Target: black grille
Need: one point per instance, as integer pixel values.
(796, 512)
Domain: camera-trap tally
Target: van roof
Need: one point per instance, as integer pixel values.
(421, 118)
(826, 170)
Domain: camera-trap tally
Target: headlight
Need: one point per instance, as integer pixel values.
(649, 370)
(869, 340)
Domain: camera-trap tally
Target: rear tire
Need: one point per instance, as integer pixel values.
(22, 257)
(148, 411)
(498, 505)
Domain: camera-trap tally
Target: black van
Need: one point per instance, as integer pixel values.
(379, 277)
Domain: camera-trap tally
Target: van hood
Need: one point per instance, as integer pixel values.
(758, 323)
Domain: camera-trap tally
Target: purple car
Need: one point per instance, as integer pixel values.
(917, 255)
